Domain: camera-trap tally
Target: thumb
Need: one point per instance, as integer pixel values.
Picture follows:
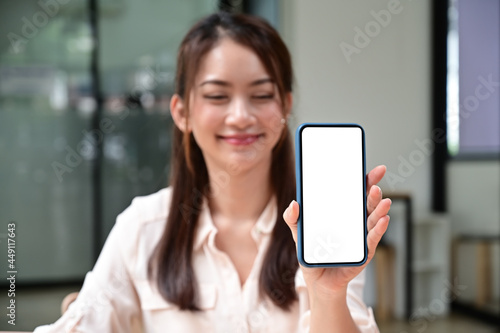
(291, 216)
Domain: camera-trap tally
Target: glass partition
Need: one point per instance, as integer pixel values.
(48, 140)
(45, 107)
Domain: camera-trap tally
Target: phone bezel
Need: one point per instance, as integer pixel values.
(298, 172)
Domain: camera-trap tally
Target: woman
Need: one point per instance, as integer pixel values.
(212, 253)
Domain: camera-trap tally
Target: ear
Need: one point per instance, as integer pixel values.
(179, 113)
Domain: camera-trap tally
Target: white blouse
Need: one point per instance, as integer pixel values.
(117, 297)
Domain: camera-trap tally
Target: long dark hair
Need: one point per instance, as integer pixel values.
(170, 266)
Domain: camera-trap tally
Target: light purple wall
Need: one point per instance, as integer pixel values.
(479, 57)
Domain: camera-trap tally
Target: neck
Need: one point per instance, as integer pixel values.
(240, 197)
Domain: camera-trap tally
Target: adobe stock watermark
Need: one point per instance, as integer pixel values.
(258, 318)
(326, 248)
(274, 126)
(363, 37)
(96, 305)
(421, 317)
(86, 147)
(409, 164)
(470, 104)
(222, 178)
(425, 147)
(32, 26)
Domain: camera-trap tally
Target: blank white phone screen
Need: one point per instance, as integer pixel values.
(332, 195)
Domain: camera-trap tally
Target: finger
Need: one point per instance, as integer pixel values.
(374, 176)
(375, 235)
(291, 216)
(374, 198)
(380, 211)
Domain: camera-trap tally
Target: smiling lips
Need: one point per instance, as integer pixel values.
(240, 139)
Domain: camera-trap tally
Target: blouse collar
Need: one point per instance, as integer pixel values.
(264, 224)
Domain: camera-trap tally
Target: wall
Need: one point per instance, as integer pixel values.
(383, 84)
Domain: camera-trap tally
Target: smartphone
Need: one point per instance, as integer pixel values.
(331, 192)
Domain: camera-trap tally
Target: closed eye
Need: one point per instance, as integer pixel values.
(215, 97)
(269, 96)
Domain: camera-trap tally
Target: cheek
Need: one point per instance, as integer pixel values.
(273, 124)
(204, 120)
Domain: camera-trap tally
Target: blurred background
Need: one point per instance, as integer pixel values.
(85, 126)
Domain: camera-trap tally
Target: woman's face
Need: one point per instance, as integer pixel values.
(235, 109)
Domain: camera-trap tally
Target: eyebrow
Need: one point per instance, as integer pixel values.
(227, 84)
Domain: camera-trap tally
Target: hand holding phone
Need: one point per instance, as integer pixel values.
(331, 192)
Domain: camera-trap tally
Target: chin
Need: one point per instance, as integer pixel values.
(241, 164)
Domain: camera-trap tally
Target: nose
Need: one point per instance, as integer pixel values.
(239, 113)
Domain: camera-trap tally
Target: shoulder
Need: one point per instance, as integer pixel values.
(147, 209)
(139, 227)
